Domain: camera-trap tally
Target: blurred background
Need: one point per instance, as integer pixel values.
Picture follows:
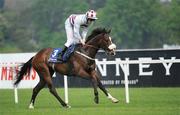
(30, 25)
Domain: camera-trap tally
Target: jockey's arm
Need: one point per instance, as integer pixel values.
(84, 33)
(77, 32)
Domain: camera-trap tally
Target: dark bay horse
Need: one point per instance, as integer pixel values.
(81, 63)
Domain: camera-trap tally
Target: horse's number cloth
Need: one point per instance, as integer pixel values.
(56, 51)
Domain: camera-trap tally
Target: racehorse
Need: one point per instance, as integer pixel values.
(81, 63)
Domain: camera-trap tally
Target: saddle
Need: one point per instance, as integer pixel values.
(56, 51)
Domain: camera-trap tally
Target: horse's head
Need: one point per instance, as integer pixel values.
(103, 40)
(107, 44)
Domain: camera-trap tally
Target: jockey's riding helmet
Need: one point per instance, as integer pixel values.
(91, 14)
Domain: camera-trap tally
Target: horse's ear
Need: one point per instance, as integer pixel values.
(109, 31)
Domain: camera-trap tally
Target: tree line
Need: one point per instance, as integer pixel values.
(134, 23)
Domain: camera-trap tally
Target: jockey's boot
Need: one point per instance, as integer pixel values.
(60, 57)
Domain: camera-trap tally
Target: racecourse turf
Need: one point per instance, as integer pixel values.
(143, 101)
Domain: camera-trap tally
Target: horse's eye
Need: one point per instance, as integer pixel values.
(107, 39)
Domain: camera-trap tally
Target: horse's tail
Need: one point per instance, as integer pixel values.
(23, 71)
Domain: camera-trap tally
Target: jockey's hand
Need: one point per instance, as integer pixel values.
(82, 42)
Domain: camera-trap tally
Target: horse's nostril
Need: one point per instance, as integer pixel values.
(113, 54)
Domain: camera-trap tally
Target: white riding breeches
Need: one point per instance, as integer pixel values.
(70, 35)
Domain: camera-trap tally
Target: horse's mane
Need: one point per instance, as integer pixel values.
(96, 32)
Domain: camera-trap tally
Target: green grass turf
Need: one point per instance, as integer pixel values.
(143, 101)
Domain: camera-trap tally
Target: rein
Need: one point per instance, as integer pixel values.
(84, 55)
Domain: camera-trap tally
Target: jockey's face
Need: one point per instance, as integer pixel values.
(89, 21)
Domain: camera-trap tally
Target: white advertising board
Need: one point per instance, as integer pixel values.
(9, 67)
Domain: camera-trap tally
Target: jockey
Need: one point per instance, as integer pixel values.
(73, 24)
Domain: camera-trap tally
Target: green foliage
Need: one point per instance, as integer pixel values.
(42, 24)
(140, 23)
(174, 23)
(3, 29)
(10, 48)
(134, 23)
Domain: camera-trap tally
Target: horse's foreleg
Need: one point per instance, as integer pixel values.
(102, 87)
(96, 98)
(95, 84)
(109, 96)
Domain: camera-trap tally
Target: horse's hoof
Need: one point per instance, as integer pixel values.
(31, 106)
(67, 106)
(96, 100)
(114, 100)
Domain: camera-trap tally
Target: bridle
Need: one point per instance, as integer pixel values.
(84, 55)
(96, 48)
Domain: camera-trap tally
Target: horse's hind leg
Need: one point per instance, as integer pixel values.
(95, 84)
(36, 90)
(47, 73)
(54, 92)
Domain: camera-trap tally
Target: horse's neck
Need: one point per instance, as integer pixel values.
(91, 48)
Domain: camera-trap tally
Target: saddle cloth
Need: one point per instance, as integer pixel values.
(56, 53)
